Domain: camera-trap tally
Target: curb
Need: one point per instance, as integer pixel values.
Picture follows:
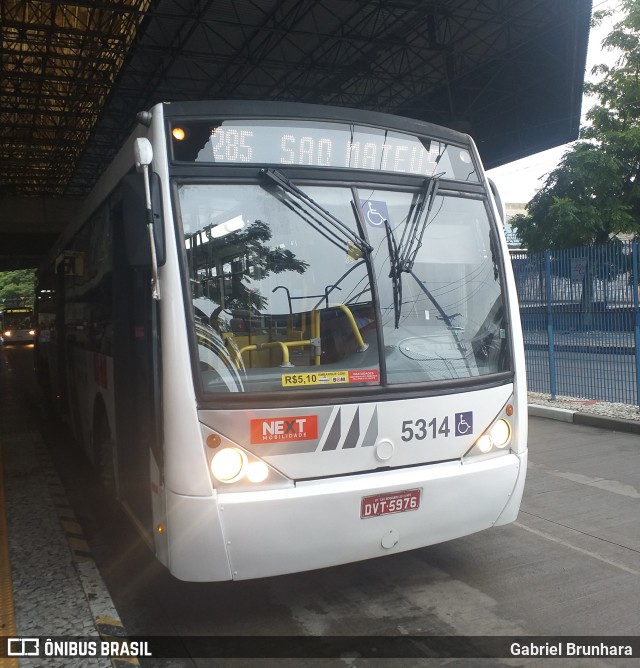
(101, 606)
(587, 419)
(562, 414)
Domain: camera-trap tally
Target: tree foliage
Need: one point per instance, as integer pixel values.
(594, 193)
(264, 261)
(17, 287)
(254, 258)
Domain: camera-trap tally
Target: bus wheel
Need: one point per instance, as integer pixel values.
(104, 448)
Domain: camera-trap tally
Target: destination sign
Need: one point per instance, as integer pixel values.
(318, 144)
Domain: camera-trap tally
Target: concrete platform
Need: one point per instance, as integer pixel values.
(52, 587)
(49, 583)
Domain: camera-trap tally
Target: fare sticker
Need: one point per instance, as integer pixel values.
(330, 378)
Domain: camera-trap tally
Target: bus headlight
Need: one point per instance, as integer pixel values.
(496, 438)
(228, 465)
(235, 469)
(484, 443)
(500, 433)
(257, 472)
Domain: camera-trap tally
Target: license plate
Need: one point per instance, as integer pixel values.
(393, 502)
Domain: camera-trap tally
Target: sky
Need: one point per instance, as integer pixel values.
(518, 181)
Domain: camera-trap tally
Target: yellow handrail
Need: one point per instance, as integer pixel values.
(315, 338)
(362, 346)
(283, 345)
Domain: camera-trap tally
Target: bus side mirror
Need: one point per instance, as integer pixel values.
(142, 153)
(134, 213)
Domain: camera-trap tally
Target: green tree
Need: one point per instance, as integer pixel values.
(262, 259)
(17, 287)
(594, 193)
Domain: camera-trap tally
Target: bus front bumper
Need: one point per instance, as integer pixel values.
(319, 524)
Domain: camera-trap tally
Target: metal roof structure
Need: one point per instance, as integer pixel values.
(75, 72)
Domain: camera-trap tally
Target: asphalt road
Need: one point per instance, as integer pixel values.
(569, 565)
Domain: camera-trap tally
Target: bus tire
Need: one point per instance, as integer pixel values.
(104, 448)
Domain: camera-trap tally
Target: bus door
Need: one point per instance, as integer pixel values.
(136, 366)
(58, 368)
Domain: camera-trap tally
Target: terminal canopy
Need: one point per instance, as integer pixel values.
(75, 73)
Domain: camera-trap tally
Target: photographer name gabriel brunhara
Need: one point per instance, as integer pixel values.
(582, 649)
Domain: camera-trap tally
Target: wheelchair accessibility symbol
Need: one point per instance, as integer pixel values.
(375, 212)
(464, 423)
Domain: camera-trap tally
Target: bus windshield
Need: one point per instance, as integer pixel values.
(281, 300)
(18, 318)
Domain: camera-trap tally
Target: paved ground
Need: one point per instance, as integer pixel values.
(57, 589)
(570, 564)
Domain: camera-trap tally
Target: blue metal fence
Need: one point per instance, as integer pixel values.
(581, 321)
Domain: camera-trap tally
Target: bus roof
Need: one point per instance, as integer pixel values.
(283, 110)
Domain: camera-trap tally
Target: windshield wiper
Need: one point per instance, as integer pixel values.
(395, 273)
(402, 256)
(330, 227)
(414, 231)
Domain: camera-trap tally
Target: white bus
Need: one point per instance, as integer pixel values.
(17, 324)
(288, 337)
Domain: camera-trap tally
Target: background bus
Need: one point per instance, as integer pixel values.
(17, 324)
(290, 338)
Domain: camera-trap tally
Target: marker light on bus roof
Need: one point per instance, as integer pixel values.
(178, 134)
(228, 465)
